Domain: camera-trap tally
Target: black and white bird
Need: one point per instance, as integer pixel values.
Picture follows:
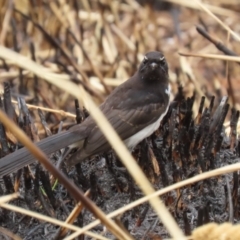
(134, 109)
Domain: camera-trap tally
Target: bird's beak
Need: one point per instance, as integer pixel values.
(153, 65)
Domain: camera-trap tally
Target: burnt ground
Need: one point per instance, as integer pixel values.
(182, 147)
(98, 44)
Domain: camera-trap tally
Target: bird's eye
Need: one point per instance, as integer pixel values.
(162, 60)
(145, 59)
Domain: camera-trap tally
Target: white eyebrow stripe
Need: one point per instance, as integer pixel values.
(145, 58)
(162, 58)
(168, 90)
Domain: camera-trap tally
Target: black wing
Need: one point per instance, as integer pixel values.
(125, 122)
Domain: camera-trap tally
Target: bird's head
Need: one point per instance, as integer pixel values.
(154, 67)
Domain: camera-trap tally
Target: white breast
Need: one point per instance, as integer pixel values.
(147, 131)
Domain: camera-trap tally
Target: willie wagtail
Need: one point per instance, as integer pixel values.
(135, 110)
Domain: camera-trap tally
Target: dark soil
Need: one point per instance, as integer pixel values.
(182, 147)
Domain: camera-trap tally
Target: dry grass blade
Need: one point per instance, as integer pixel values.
(213, 9)
(200, 177)
(28, 64)
(212, 56)
(107, 130)
(121, 35)
(48, 219)
(186, 68)
(60, 112)
(73, 215)
(186, 238)
(9, 197)
(95, 70)
(73, 190)
(58, 14)
(154, 162)
(12, 74)
(9, 234)
(132, 167)
(109, 81)
(211, 231)
(235, 35)
(6, 21)
(37, 69)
